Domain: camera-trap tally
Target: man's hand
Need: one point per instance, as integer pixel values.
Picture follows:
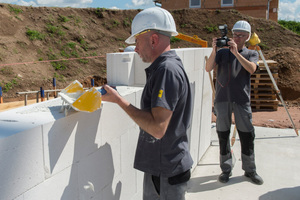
(154, 121)
(233, 46)
(111, 95)
(214, 44)
(249, 66)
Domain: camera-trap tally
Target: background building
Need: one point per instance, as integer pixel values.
(267, 9)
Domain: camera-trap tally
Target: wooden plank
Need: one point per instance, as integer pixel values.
(264, 75)
(264, 96)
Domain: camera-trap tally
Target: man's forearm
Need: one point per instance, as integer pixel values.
(249, 66)
(210, 63)
(153, 123)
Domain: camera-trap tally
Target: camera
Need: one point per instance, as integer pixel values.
(223, 41)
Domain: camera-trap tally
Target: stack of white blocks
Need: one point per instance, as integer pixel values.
(45, 155)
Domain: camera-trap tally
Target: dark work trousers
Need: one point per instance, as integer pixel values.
(243, 121)
(166, 191)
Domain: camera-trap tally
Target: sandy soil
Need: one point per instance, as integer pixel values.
(275, 119)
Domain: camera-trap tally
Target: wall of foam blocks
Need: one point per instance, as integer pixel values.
(47, 155)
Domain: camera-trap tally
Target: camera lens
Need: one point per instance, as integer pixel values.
(221, 42)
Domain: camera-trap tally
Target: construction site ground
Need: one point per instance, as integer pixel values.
(34, 38)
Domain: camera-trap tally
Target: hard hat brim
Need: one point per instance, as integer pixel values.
(130, 40)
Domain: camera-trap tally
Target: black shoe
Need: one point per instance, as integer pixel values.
(224, 177)
(254, 177)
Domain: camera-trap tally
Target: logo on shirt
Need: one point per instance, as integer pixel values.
(160, 93)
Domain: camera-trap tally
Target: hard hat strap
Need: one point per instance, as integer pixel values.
(168, 34)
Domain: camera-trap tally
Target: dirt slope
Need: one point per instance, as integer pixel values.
(64, 33)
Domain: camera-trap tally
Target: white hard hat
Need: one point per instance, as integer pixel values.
(242, 25)
(154, 18)
(129, 49)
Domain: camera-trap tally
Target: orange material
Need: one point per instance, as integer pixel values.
(195, 39)
(54, 93)
(74, 87)
(90, 101)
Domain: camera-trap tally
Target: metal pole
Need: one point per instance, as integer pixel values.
(54, 87)
(275, 85)
(92, 82)
(26, 99)
(42, 94)
(1, 98)
(268, 11)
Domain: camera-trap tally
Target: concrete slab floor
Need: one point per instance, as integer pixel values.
(277, 155)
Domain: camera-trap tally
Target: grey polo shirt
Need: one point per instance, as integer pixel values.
(233, 82)
(167, 86)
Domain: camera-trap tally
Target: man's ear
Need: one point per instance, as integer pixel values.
(154, 39)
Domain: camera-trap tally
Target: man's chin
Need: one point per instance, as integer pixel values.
(145, 61)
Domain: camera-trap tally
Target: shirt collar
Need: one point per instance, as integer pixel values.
(155, 64)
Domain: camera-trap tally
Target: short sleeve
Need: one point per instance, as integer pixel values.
(166, 88)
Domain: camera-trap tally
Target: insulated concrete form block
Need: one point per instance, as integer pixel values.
(202, 104)
(128, 176)
(28, 117)
(97, 170)
(195, 126)
(115, 123)
(63, 185)
(138, 97)
(180, 54)
(138, 176)
(205, 128)
(139, 69)
(112, 191)
(116, 155)
(140, 179)
(195, 121)
(200, 59)
(196, 78)
(120, 69)
(21, 165)
(70, 139)
(128, 147)
(206, 106)
(188, 59)
(128, 181)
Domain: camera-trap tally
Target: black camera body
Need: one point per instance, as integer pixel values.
(223, 41)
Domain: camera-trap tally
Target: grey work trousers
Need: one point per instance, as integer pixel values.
(167, 191)
(243, 121)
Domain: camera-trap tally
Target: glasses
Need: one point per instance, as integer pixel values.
(238, 36)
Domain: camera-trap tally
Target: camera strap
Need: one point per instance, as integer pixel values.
(229, 72)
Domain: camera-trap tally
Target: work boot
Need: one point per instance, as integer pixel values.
(255, 178)
(224, 177)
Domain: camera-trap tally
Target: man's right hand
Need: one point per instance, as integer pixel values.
(111, 94)
(214, 44)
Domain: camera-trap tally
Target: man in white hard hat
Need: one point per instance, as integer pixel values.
(233, 87)
(162, 151)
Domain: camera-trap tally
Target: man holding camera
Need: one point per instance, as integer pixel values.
(235, 66)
